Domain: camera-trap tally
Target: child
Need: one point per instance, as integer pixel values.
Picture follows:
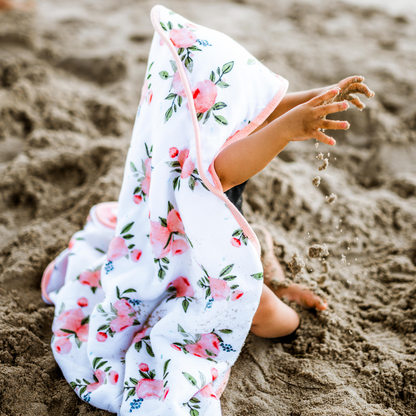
(156, 295)
(299, 116)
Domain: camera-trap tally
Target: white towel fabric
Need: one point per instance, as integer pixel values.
(155, 296)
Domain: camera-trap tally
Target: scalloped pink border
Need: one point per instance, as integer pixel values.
(217, 189)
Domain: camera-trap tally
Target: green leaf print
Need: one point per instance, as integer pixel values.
(173, 64)
(219, 106)
(164, 74)
(226, 68)
(222, 84)
(95, 361)
(132, 167)
(258, 276)
(168, 114)
(190, 379)
(221, 120)
(127, 228)
(163, 26)
(226, 270)
(189, 63)
(149, 350)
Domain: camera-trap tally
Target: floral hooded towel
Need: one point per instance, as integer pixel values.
(155, 296)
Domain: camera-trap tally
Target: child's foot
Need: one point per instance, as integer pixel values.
(272, 270)
(274, 275)
(302, 295)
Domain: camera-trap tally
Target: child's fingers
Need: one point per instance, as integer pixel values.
(323, 110)
(350, 80)
(357, 87)
(333, 124)
(322, 137)
(356, 101)
(323, 98)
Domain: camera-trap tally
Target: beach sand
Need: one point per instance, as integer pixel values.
(70, 80)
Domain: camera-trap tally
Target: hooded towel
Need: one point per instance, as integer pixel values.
(155, 296)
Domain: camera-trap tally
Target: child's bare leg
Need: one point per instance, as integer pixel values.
(274, 275)
(273, 318)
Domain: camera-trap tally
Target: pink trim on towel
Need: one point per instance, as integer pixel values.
(46, 277)
(217, 189)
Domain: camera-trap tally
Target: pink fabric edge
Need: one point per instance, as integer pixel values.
(46, 277)
(216, 189)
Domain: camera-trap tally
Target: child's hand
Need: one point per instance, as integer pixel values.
(348, 88)
(305, 121)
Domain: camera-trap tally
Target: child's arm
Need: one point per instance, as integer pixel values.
(243, 159)
(294, 99)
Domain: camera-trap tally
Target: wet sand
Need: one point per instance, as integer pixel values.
(70, 80)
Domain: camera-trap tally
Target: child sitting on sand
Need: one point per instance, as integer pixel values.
(155, 296)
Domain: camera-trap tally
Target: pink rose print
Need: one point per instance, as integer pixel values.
(173, 152)
(141, 339)
(162, 238)
(204, 95)
(63, 345)
(146, 181)
(148, 387)
(113, 377)
(181, 288)
(99, 376)
(137, 199)
(71, 243)
(238, 238)
(141, 191)
(214, 373)
(186, 168)
(208, 392)
(179, 247)
(72, 322)
(125, 316)
(235, 242)
(101, 336)
(219, 289)
(159, 239)
(237, 295)
(175, 222)
(165, 394)
(117, 249)
(135, 255)
(83, 302)
(177, 85)
(183, 155)
(150, 96)
(182, 38)
(207, 346)
(144, 367)
(121, 317)
(91, 279)
(139, 336)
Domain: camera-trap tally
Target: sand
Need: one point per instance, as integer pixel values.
(70, 81)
